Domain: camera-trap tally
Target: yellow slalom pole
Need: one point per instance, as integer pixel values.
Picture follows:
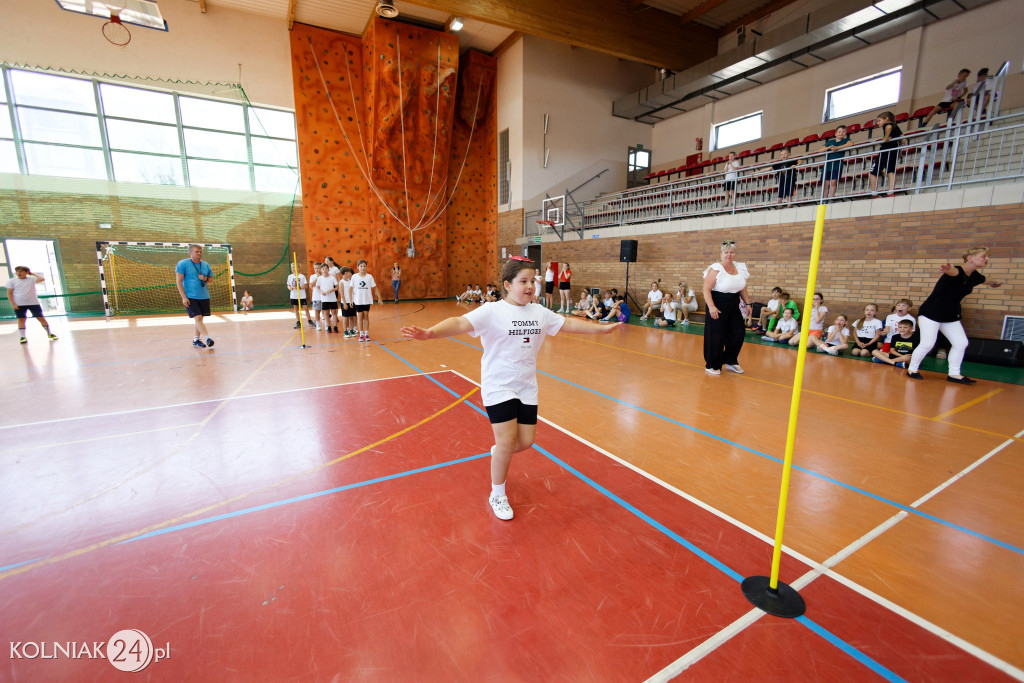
(794, 405)
(764, 592)
(301, 300)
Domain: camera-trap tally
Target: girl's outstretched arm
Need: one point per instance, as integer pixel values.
(449, 327)
(579, 326)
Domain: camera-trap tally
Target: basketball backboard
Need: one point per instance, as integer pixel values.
(135, 12)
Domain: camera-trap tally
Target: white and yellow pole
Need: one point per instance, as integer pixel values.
(301, 300)
(766, 592)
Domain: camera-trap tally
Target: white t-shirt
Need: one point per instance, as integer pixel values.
(726, 283)
(24, 290)
(732, 169)
(511, 336)
(477, 293)
(655, 296)
(892, 320)
(786, 325)
(692, 306)
(335, 271)
(609, 302)
(327, 285)
(867, 329)
(845, 334)
(773, 305)
(346, 290)
(362, 289)
(294, 293)
(312, 286)
(823, 311)
(549, 275)
(669, 310)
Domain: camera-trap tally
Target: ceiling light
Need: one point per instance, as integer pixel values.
(386, 9)
(455, 24)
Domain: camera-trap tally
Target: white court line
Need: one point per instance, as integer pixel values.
(818, 569)
(214, 400)
(825, 568)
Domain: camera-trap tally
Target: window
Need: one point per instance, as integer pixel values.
(737, 131)
(69, 126)
(504, 169)
(867, 94)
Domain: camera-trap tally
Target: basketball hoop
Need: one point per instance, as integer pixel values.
(115, 32)
(550, 224)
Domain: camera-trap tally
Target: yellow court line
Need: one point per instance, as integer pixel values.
(134, 475)
(972, 402)
(806, 391)
(195, 513)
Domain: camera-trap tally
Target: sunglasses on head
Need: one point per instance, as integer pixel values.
(728, 243)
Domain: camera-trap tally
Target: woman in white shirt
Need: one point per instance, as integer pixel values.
(725, 286)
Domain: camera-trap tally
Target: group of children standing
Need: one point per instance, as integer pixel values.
(335, 289)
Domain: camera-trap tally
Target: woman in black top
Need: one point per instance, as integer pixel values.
(888, 153)
(941, 313)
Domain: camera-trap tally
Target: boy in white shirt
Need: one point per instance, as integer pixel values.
(348, 309)
(770, 309)
(328, 285)
(467, 295)
(668, 311)
(363, 287)
(511, 331)
(21, 293)
(902, 312)
(784, 329)
(316, 294)
(297, 295)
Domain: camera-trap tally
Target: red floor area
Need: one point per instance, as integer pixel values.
(411, 578)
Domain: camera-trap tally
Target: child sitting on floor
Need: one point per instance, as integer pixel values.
(246, 301)
(783, 330)
(619, 313)
(835, 341)
(467, 295)
(900, 348)
(668, 311)
(867, 331)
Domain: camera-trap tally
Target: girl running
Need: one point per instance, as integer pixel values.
(511, 331)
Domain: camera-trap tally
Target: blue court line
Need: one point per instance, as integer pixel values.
(12, 566)
(842, 645)
(825, 477)
(297, 499)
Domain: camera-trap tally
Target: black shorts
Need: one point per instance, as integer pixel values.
(833, 170)
(786, 188)
(885, 162)
(348, 311)
(198, 307)
(362, 308)
(512, 409)
(563, 285)
(328, 305)
(300, 300)
(549, 287)
(869, 347)
(730, 185)
(24, 309)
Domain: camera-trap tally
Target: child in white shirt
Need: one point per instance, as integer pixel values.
(363, 287)
(867, 332)
(511, 331)
(902, 312)
(246, 301)
(835, 340)
(668, 311)
(348, 309)
(785, 328)
(465, 296)
(328, 286)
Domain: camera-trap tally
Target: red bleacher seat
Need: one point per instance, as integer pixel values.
(760, 150)
(717, 160)
(777, 146)
(922, 112)
(853, 128)
(813, 137)
(902, 118)
(830, 134)
(792, 143)
(650, 175)
(744, 154)
(868, 125)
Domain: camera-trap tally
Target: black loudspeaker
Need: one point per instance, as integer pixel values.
(995, 352)
(627, 251)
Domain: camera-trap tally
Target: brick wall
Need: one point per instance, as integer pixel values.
(875, 259)
(256, 228)
(510, 229)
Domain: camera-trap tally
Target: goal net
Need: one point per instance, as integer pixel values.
(138, 277)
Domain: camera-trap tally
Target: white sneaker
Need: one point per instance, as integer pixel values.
(734, 368)
(685, 322)
(711, 371)
(832, 350)
(502, 510)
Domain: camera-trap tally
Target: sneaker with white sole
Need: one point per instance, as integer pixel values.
(209, 342)
(734, 368)
(712, 371)
(832, 350)
(502, 510)
(198, 343)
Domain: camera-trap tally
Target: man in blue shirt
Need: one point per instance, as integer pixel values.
(834, 160)
(192, 275)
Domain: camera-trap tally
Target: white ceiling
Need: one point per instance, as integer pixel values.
(352, 16)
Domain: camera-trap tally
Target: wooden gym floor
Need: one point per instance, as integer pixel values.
(271, 512)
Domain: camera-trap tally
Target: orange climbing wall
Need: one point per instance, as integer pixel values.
(334, 191)
(473, 213)
(408, 124)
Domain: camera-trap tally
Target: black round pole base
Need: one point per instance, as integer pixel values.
(784, 602)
